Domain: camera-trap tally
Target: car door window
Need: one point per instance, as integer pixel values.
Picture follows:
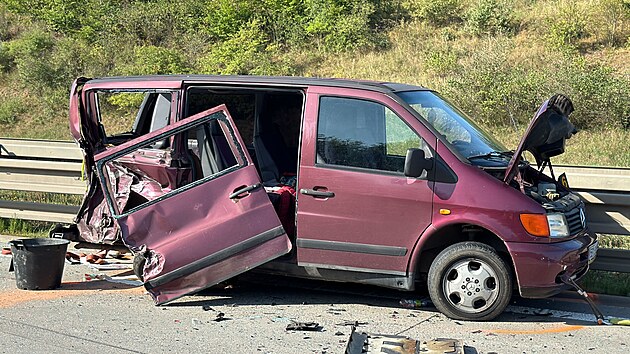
(135, 179)
(123, 116)
(363, 134)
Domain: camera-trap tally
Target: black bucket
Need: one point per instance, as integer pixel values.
(38, 262)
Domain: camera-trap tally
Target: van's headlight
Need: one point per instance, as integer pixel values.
(558, 226)
(553, 225)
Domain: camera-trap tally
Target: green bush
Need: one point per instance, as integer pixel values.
(60, 15)
(441, 61)
(341, 24)
(152, 60)
(225, 18)
(246, 52)
(6, 60)
(568, 25)
(44, 62)
(10, 109)
(490, 17)
(439, 12)
(9, 24)
(30, 54)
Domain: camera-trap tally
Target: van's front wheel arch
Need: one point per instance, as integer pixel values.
(470, 281)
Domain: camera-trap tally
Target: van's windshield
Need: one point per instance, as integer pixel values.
(458, 129)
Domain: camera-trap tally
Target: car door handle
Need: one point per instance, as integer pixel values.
(238, 193)
(317, 194)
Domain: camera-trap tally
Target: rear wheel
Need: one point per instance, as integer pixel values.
(469, 281)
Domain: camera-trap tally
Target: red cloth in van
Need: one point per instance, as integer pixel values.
(285, 207)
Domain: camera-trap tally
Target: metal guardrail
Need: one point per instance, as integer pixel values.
(40, 166)
(55, 167)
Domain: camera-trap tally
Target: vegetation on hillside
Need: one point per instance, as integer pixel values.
(496, 59)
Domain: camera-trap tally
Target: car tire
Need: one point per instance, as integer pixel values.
(469, 281)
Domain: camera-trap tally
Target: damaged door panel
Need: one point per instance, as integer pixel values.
(204, 219)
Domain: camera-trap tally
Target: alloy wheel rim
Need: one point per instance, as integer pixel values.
(470, 285)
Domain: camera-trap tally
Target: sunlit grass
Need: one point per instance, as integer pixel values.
(40, 197)
(611, 283)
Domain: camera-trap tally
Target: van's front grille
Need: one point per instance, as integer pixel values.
(574, 219)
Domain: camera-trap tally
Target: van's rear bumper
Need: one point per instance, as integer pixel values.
(539, 266)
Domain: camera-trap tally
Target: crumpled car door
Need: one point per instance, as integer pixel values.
(218, 224)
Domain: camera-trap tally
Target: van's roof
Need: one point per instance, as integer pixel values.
(295, 81)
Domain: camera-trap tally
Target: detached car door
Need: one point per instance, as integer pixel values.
(217, 223)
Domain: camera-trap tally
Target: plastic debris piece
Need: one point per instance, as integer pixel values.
(72, 258)
(620, 321)
(207, 308)
(414, 304)
(196, 323)
(221, 317)
(304, 326)
(127, 280)
(352, 323)
(281, 319)
(92, 258)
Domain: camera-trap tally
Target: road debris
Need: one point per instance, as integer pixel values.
(415, 304)
(362, 342)
(336, 311)
(417, 324)
(221, 317)
(304, 326)
(72, 258)
(127, 280)
(196, 323)
(352, 323)
(207, 308)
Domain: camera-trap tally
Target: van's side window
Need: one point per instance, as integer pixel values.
(364, 134)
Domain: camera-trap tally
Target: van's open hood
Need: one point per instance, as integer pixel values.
(546, 134)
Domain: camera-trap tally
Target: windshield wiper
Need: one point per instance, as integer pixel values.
(492, 154)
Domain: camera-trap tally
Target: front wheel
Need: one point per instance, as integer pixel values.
(469, 281)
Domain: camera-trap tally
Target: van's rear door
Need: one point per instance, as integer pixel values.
(217, 224)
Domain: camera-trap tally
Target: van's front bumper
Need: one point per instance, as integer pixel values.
(540, 266)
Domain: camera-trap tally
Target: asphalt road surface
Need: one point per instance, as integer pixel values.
(252, 315)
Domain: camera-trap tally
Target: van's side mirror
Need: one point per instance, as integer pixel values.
(416, 163)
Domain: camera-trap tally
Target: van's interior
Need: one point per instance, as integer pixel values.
(269, 122)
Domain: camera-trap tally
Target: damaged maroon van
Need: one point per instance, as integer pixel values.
(207, 177)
